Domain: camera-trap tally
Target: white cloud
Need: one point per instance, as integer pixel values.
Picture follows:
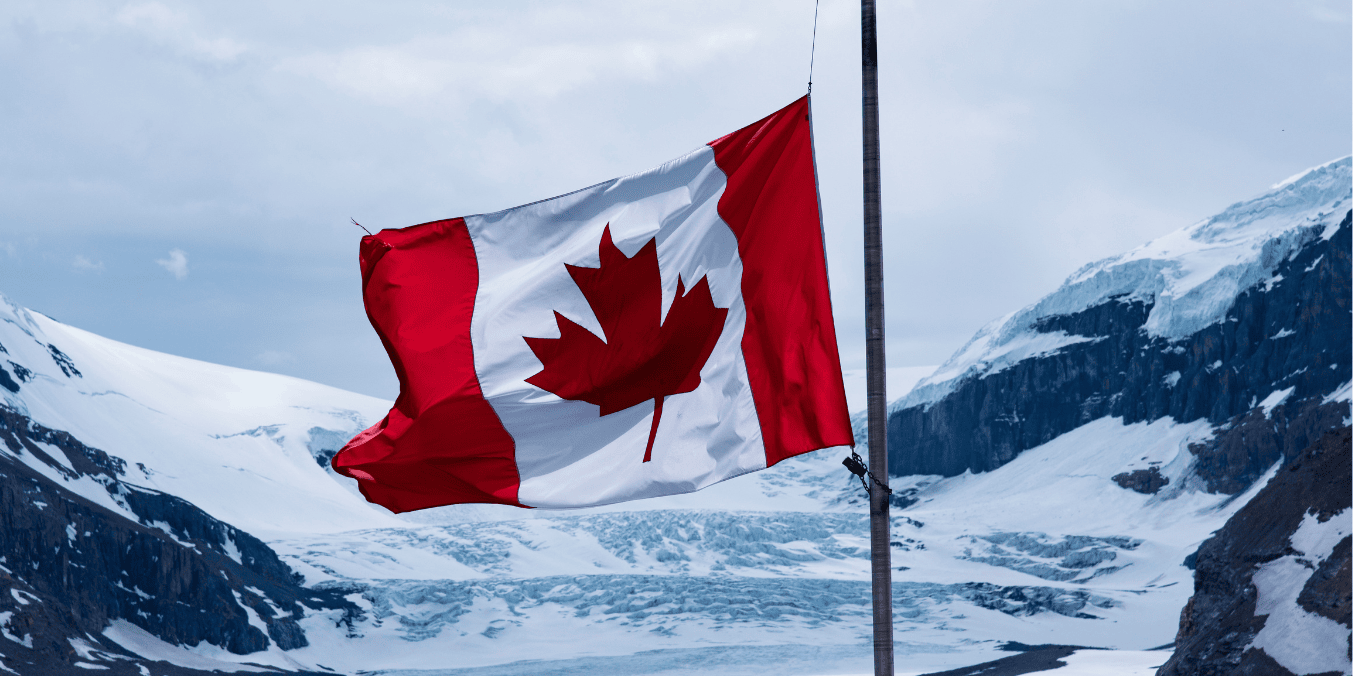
(176, 264)
(274, 358)
(495, 63)
(1327, 11)
(1020, 140)
(80, 262)
(175, 29)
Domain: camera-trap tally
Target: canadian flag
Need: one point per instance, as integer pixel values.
(646, 336)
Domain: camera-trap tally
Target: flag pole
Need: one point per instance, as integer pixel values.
(880, 555)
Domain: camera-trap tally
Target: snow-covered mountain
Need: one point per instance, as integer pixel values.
(1188, 279)
(160, 532)
(1237, 327)
(163, 515)
(1247, 307)
(1273, 584)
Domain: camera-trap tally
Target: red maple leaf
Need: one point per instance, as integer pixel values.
(642, 356)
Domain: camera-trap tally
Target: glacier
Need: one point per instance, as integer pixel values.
(773, 563)
(768, 569)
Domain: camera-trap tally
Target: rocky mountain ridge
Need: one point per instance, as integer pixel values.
(141, 556)
(1283, 343)
(145, 493)
(1237, 621)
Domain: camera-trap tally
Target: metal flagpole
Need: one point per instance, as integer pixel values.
(880, 555)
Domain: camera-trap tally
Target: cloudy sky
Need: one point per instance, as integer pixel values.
(180, 175)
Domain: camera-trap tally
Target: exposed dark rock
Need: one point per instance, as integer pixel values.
(1247, 446)
(1258, 663)
(64, 361)
(18, 433)
(24, 375)
(1147, 481)
(1037, 658)
(1218, 624)
(1191, 561)
(6, 381)
(46, 622)
(1328, 591)
(1017, 647)
(1219, 374)
(162, 564)
(903, 499)
(323, 443)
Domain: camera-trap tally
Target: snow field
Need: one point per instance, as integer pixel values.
(980, 559)
(766, 568)
(1290, 629)
(1044, 550)
(231, 441)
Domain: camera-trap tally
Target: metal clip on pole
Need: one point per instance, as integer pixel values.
(855, 464)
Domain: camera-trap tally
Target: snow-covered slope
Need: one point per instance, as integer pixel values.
(233, 442)
(1247, 308)
(981, 560)
(1052, 545)
(1273, 583)
(775, 561)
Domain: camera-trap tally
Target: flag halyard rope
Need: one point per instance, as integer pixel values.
(812, 52)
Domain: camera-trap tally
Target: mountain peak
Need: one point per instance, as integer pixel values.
(1191, 277)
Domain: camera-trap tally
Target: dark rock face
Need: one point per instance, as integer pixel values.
(1328, 592)
(64, 362)
(23, 374)
(1244, 448)
(43, 619)
(1148, 481)
(1218, 624)
(6, 381)
(1291, 333)
(1028, 661)
(157, 562)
